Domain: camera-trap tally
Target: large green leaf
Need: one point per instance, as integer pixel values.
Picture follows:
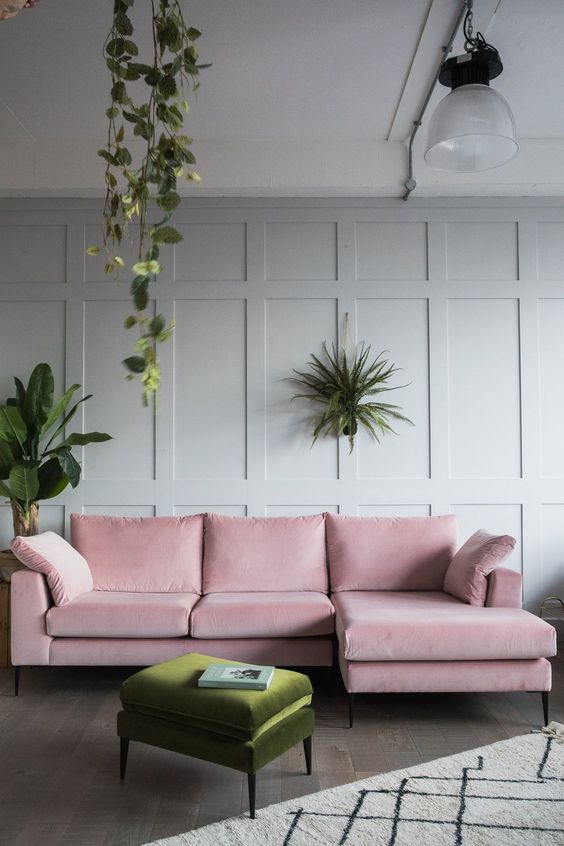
(39, 396)
(7, 459)
(24, 482)
(69, 464)
(66, 419)
(52, 479)
(78, 439)
(58, 409)
(12, 426)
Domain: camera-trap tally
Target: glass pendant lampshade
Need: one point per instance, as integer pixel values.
(472, 129)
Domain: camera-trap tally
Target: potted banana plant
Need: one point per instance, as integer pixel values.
(36, 460)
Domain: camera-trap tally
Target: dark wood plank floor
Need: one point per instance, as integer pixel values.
(59, 781)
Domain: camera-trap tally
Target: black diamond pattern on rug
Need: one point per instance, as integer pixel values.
(453, 806)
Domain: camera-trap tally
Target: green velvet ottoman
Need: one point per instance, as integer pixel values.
(243, 729)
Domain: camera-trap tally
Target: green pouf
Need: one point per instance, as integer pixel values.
(243, 729)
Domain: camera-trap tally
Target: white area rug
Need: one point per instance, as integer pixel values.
(508, 794)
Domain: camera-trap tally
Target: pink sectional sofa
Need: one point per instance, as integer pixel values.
(275, 590)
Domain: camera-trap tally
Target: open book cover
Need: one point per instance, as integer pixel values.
(245, 677)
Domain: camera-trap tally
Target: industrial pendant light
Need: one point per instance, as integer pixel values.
(473, 128)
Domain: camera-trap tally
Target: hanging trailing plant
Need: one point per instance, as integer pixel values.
(154, 113)
(342, 383)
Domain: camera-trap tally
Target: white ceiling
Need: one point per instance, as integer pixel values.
(304, 96)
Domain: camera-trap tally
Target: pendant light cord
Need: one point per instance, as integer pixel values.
(466, 11)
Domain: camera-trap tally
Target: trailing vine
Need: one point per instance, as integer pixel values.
(137, 178)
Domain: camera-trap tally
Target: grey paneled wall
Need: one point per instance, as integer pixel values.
(468, 298)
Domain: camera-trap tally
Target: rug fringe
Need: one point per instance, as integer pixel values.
(554, 730)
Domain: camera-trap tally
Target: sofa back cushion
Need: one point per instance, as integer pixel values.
(467, 575)
(264, 554)
(141, 554)
(389, 553)
(67, 573)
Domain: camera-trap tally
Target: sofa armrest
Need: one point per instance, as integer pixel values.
(504, 589)
(30, 600)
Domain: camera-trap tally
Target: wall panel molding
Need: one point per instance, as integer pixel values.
(467, 295)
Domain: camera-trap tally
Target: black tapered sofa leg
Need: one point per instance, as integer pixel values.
(544, 695)
(351, 710)
(17, 671)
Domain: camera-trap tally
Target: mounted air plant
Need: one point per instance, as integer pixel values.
(342, 384)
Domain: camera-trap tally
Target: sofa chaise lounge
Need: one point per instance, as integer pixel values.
(409, 612)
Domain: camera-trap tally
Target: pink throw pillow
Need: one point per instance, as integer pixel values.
(467, 574)
(67, 572)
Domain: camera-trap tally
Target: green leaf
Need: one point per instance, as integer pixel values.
(131, 48)
(140, 67)
(24, 482)
(167, 87)
(7, 459)
(157, 325)
(170, 201)
(115, 47)
(193, 33)
(123, 24)
(129, 321)
(144, 268)
(39, 395)
(123, 156)
(118, 93)
(69, 464)
(81, 439)
(65, 421)
(20, 394)
(108, 157)
(135, 363)
(58, 410)
(93, 251)
(52, 479)
(12, 425)
(166, 235)
(140, 292)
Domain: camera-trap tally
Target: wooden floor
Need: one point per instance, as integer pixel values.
(59, 780)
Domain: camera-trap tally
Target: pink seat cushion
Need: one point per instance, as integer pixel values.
(138, 615)
(389, 553)
(141, 554)
(264, 554)
(467, 574)
(272, 614)
(433, 626)
(68, 574)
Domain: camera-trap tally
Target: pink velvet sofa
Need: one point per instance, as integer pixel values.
(258, 592)
(409, 614)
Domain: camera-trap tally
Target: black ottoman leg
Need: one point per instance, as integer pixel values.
(252, 794)
(307, 753)
(17, 671)
(351, 710)
(123, 750)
